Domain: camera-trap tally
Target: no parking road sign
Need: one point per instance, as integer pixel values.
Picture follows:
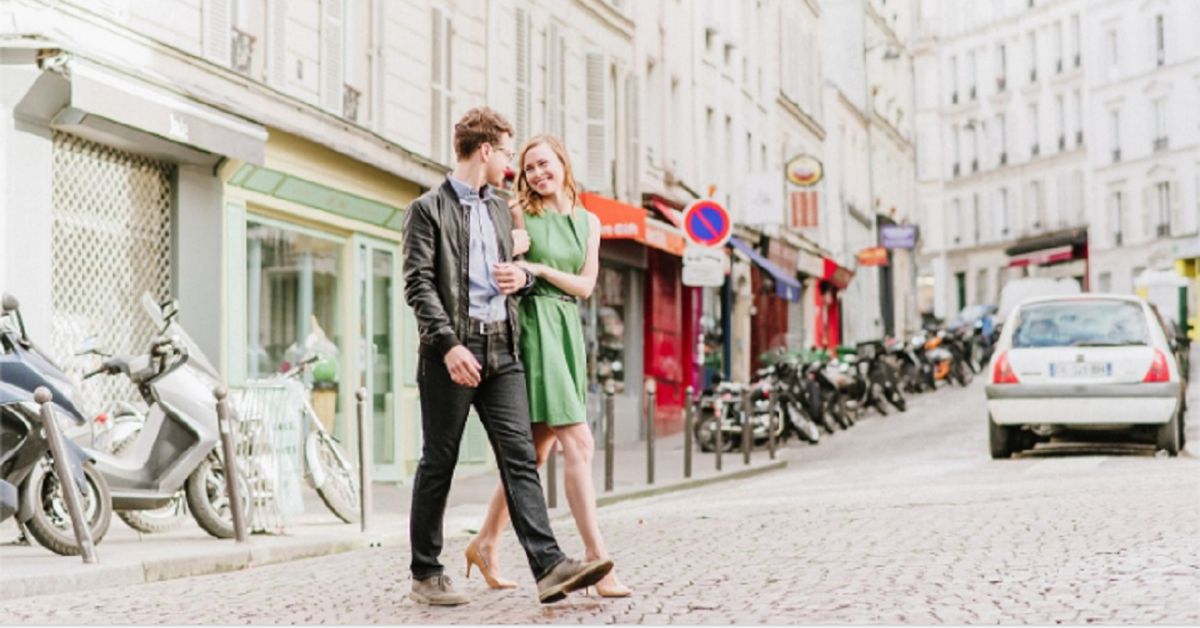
(706, 223)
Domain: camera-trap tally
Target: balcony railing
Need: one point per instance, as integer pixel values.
(350, 100)
(242, 51)
(1118, 238)
(956, 170)
(1033, 75)
(954, 98)
(1078, 60)
(1079, 138)
(1034, 150)
(972, 92)
(1058, 66)
(1062, 142)
(1163, 230)
(974, 165)
(1003, 157)
(1160, 143)
(1116, 155)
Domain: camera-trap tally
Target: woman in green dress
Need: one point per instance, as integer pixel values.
(564, 256)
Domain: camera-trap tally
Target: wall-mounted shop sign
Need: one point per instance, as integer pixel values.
(805, 170)
(898, 236)
(874, 256)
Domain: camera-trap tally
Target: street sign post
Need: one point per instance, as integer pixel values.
(706, 223)
(703, 267)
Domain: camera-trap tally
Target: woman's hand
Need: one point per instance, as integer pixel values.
(533, 268)
(520, 238)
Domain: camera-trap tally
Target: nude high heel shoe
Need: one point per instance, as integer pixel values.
(611, 587)
(475, 557)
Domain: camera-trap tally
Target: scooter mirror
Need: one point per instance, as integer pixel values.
(10, 303)
(87, 346)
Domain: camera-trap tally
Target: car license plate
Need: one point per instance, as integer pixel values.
(1081, 369)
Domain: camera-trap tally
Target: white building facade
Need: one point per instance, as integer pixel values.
(1036, 148)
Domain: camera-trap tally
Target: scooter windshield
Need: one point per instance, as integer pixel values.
(196, 357)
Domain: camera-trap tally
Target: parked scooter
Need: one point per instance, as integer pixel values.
(176, 448)
(29, 483)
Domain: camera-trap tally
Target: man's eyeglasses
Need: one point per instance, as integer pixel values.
(507, 152)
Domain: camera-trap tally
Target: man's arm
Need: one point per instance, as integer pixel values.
(420, 290)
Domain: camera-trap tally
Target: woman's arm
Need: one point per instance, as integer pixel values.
(584, 283)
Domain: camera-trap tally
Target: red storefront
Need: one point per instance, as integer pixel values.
(827, 324)
(670, 318)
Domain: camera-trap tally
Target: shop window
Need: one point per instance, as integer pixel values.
(610, 362)
(293, 282)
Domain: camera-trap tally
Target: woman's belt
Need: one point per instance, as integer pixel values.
(560, 297)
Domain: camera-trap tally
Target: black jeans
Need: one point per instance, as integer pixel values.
(503, 407)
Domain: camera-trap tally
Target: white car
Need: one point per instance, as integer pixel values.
(1083, 362)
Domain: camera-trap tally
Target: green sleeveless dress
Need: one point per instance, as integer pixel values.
(552, 345)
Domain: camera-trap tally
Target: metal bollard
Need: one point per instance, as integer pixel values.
(230, 465)
(747, 424)
(610, 389)
(772, 408)
(364, 461)
(719, 434)
(651, 396)
(689, 416)
(552, 477)
(66, 481)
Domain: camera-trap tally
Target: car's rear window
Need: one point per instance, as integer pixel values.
(1083, 323)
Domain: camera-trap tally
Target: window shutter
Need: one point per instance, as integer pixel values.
(277, 46)
(596, 152)
(634, 144)
(523, 72)
(218, 31)
(1176, 209)
(332, 49)
(1148, 211)
(554, 84)
(437, 65)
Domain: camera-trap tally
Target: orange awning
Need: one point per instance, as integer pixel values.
(619, 221)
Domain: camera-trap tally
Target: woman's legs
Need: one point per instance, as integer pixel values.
(496, 518)
(578, 449)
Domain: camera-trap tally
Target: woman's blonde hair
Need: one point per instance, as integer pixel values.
(532, 202)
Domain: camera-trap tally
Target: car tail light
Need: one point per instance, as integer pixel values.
(1159, 372)
(1002, 373)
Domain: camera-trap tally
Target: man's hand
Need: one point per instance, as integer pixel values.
(520, 239)
(464, 368)
(509, 277)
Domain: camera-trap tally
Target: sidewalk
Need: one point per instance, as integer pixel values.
(128, 557)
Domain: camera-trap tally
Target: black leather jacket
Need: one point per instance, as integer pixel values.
(437, 241)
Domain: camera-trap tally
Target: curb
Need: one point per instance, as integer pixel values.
(237, 559)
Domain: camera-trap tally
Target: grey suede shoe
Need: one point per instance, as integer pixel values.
(571, 575)
(436, 591)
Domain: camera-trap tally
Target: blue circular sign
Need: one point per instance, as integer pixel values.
(707, 223)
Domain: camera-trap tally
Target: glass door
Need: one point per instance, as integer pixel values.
(377, 335)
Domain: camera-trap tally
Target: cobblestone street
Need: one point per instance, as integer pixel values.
(902, 519)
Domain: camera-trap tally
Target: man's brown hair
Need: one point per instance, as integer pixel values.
(480, 125)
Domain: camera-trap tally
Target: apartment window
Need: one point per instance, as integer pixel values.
(954, 80)
(1005, 216)
(1078, 95)
(1105, 282)
(1058, 46)
(1075, 40)
(1116, 218)
(1036, 208)
(598, 176)
(1033, 130)
(1114, 59)
(523, 70)
(974, 138)
(1002, 138)
(1061, 106)
(957, 156)
(1032, 56)
(440, 88)
(955, 222)
(981, 281)
(728, 54)
(1160, 44)
(1001, 67)
(1162, 208)
(971, 74)
(1160, 124)
(1114, 130)
(975, 218)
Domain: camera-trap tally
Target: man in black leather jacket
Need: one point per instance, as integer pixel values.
(459, 280)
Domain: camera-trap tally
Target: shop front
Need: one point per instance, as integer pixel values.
(314, 266)
(773, 289)
(1060, 255)
(635, 322)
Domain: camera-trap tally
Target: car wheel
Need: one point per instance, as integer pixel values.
(1169, 435)
(1002, 439)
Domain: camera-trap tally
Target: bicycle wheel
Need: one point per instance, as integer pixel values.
(333, 475)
